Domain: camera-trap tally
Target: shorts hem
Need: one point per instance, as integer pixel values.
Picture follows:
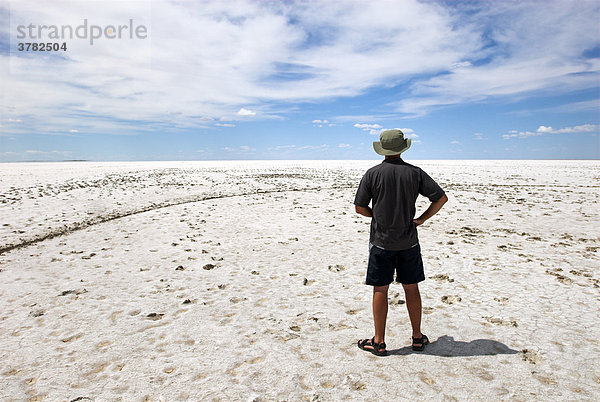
(410, 283)
(374, 284)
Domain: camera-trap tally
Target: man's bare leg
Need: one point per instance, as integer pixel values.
(380, 309)
(413, 304)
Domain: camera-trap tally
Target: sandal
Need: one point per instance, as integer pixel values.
(423, 340)
(378, 349)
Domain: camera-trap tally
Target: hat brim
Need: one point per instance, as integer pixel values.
(395, 151)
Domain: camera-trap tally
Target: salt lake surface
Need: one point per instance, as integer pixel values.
(244, 280)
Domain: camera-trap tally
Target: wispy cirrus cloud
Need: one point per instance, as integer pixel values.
(322, 147)
(242, 149)
(517, 56)
(543, 130)
(208, 61)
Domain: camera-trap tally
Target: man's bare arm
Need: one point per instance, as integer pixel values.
(364, 211)
(434, 207)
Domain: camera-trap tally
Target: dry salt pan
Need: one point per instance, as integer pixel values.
(168, 280)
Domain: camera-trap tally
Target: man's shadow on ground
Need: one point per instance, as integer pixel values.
(446, 346)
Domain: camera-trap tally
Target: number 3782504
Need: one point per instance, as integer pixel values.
(41, 47)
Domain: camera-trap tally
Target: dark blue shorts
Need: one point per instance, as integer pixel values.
(407, 264)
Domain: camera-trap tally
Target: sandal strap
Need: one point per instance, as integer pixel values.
(421, 339)
(364, 342)
(371, 342)
(378, 346)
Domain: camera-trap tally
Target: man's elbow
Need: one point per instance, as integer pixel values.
(364, 211)
(443, 199)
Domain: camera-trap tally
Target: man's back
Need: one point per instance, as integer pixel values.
(394, 186)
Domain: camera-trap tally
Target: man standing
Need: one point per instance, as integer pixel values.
(393, 187)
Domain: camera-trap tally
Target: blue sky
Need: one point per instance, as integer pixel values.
(302, 80)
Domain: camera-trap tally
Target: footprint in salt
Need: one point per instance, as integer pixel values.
(442, 277)
(530, 356)
(103, 344)
(30, 381)
(396, 299)
(155, 316)
(255, 360)
(97, 368)
(72, 338)
(451, 299)
(114, 315)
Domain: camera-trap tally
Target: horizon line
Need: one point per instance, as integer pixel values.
(267, 160)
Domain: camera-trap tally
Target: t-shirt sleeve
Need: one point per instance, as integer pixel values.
(429, 188)
(363, 194)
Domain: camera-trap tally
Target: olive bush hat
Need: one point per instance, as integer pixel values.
(391, 142)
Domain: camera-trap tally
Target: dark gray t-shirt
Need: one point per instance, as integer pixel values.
(394, 186)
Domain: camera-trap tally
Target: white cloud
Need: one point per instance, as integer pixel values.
(373, 129)
(217, 56)
(516, 56)
(282, 147)
(240, 149)
(542, 130)
(205, 59)
(365, 117)
(478, 137)
(409, 133)
(344, 146)
(246, 112)
(225, 124)
(322, 147)
(455, 142)
(73, 131)
(585, 128)
(320, 121)
(367, 126)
